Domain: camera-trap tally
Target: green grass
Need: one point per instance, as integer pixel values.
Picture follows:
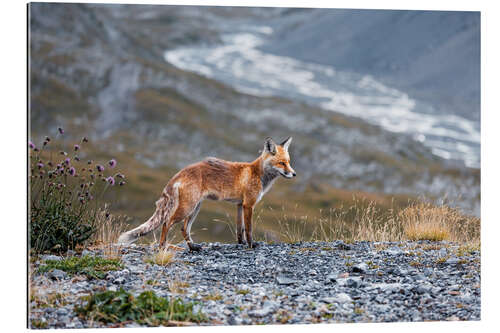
(36, 323)
(242, 291)
(213, 297)
(92, 267)
(147, 309)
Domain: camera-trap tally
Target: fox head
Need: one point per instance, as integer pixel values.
(277, 159)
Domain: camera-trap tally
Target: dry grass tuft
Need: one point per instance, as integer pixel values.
(163, 257)
(109, 228)
(365, 221)
(423, 221)
(178, 286)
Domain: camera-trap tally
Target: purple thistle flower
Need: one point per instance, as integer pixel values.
(100, 168)
(112, 163)
(77, 158)
(31, 145)
(61, 131)
(110, 180)
(67, 160)
(72, 171)
(122, 183)
(76, 147)
(39, 165)
(120, 175)
(85, 139)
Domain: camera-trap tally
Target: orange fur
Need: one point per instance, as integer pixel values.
(216, 179)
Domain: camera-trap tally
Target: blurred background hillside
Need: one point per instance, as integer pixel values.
(383, 105)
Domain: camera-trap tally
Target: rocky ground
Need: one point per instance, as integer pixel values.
(287, 283)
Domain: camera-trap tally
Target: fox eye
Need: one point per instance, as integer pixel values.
(283, 163)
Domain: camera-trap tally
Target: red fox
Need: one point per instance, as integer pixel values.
(242, 183)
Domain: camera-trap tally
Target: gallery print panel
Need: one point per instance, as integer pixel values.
(203, 165)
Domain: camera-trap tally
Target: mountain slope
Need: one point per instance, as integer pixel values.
(421, 52)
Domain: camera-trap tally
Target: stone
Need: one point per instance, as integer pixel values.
(360, 268)
(119, 280)
(51, 257)
(343, 298)
(57, 274)
(283, 280)
(62, 312)
(353, 282)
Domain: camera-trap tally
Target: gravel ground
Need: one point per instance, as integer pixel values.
(289, 283)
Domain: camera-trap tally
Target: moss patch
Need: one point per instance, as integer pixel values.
(92, 267)
(147, 309)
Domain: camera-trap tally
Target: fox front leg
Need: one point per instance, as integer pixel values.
(248, 210)
(239, 224)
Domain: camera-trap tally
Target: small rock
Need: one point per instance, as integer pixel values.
(62, 312)
(353, 282)
(393, 251)
(343, 298)
(443, 251)
(261, 312)
(283, 280)
(419, 277)
(452, 261)
(423, 289)
(57, 274)
(51, 257)
(119, 280)
(360, 268)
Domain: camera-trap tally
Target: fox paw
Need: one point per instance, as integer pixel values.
(194, 247)
(253, 245)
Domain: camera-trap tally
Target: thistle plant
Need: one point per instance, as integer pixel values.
(65, 195)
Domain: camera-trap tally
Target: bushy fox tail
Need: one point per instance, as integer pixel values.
(165, 208)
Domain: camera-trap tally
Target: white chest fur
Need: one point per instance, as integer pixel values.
(265, 188)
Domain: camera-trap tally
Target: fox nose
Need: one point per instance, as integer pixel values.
(294, 174)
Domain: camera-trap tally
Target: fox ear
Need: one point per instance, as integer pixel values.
(286, 143)
(270, 146)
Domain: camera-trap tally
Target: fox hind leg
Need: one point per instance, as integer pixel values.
(239, 225)
(164, 231)
(186, 229)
